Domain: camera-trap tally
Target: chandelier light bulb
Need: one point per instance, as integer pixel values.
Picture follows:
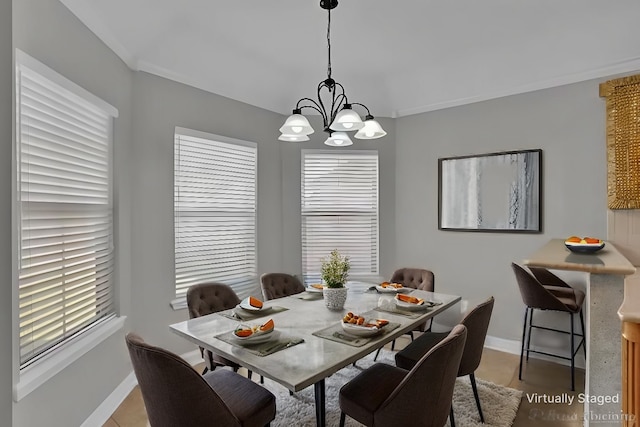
(338, 139)
(296, 129)
(371, 129)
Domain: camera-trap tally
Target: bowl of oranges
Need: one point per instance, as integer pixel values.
(584, 244)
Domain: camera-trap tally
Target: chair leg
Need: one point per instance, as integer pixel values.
(205, 370)
(261, 379)
(472, 377)
(453, 421)
(393, 345)
(573, 356)
(377, 354)
(342, 417)
(411, 334)
(249, 373)
(584, 334)
(530, 328)
(524, 334)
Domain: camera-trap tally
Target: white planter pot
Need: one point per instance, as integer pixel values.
(334, 298)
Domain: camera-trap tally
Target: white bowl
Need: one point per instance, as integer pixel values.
(403, 305)
(257, 337)
(244, 304)
(359, 330)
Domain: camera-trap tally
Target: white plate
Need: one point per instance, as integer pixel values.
(412, 307)
(360, 331)
(258, 337)
(392, 290)
(312, 289)
(244, 304)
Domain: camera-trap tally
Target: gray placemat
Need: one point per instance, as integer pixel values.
(243, 315)
(264, 348)
(410, 314)
(309, 296)
(336, 333)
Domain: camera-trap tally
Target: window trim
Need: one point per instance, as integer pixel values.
(65, 353)
(180, 303)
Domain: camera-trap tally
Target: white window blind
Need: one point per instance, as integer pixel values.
(64, 138)
(340, 210)
(215, 211)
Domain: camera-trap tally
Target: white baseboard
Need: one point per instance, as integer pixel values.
(103, 412)
(513, 347)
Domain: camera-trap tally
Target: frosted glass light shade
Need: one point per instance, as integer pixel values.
(371, 130)
(347, 120)
(338, 139)
(296, 124)
(293, 138)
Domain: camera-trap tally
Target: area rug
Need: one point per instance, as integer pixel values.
(499, 404)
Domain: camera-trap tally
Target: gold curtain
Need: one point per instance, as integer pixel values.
(623, 141)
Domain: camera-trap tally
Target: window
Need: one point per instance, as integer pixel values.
(215, 211)
(340, 210)
(64, 209)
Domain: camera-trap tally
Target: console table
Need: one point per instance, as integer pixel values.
(605, 293)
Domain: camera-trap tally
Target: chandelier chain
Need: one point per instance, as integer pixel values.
(329, 44)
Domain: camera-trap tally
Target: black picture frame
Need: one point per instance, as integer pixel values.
(494, 192)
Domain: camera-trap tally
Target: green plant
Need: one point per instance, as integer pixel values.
(335, 269)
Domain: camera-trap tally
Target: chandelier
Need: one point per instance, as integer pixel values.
(337, 113)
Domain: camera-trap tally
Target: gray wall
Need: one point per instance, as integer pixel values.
(159, 106)
(567, 123)
(46, 30)
(6, 136)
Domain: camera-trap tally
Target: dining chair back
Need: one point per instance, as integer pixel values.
(279, 285)
(175, 394)
(416, 278)
(477, 324)
(385, 395)
(556, 296)
(208, 298)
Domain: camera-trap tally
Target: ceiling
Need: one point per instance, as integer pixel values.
(397, 57)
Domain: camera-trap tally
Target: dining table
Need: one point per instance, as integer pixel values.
(308, 342)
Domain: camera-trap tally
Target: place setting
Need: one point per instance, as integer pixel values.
(251, 308)
(357, 330)
(261, 340)
(312, 292)
(406, 305)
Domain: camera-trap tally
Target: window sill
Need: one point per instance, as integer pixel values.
(40, 372)
(179, 303)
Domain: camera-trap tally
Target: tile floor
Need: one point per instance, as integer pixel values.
(501, 368)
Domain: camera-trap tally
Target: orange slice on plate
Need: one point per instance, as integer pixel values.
(255, 302)
(267, 326)
(243, 333)
(409, 299)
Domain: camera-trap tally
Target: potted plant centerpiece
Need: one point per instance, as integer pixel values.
(335, 270)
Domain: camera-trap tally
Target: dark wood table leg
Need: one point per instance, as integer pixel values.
(320, 403)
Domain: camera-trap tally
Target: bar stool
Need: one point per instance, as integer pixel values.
(557, 296)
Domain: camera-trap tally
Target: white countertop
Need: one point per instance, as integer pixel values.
(555, 255)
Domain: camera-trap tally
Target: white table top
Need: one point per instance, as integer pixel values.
(305, 364)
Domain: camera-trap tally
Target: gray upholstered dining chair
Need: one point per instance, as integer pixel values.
(554, 295)
(385, 395)
(175, 394)
(477, 323)
(207, 298)
(416, 278)
(279, 285)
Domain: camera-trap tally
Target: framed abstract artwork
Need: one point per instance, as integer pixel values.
(495, 192)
